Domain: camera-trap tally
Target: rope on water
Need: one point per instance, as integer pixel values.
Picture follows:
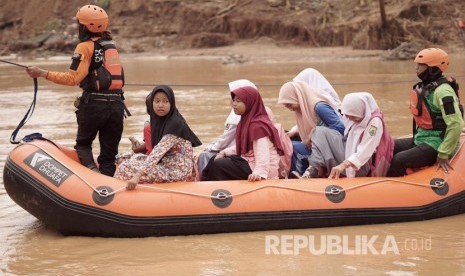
(273, 84)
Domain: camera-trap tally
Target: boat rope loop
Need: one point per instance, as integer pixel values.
(103, 196)
(221, 198)
(439, 186)
(334, 190)
(335, 193)
(438, 183)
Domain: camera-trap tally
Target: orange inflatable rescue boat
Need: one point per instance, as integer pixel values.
(47, 181)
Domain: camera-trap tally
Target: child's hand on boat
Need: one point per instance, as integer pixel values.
(254, 177)
(132, 183)
(336, 171)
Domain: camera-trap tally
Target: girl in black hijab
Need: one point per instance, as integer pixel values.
(172, 123)
(172, 139)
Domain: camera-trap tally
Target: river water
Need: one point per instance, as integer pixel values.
(28, 248)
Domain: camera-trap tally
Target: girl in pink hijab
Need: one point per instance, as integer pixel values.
(227, 138)
(256, 153)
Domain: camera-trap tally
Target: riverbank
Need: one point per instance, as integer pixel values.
(264, 52)
(261, 51)
(47, 28)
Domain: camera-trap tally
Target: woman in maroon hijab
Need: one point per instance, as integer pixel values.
(258, 146)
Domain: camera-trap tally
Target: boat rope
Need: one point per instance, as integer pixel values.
(438, 184)
(26, 117)
(332, 192)
(258, 84)
(272, 84)
(13, 63)
(29, 112)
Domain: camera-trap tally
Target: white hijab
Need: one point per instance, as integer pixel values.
(361, 105)
(234, 119)
(318, 82)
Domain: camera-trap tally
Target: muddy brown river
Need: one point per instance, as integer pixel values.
(27, 247)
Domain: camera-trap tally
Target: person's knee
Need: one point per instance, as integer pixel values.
(400, 158)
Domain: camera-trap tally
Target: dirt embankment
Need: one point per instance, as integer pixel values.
(42, 28)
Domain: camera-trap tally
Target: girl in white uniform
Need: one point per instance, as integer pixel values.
(350, 155)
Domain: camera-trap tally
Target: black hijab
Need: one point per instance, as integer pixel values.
(172, 123)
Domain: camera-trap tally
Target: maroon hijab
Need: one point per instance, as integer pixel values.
(254, 123)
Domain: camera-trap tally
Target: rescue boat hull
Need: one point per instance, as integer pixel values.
(47, 181)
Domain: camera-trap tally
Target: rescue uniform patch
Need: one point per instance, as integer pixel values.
(448, 103)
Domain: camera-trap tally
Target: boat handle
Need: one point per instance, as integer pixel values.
(103, 192)
(335, 191)
(221, 196)
(439, 183)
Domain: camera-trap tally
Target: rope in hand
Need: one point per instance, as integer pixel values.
(27, 116)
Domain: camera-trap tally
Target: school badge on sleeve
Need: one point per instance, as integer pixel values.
(372, 130)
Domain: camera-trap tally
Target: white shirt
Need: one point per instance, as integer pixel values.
(359, 153)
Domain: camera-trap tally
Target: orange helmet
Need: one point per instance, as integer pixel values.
(433, 57)
(93, 17)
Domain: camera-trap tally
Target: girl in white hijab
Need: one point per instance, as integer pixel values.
(358, 108)
(318, 82)
(364, 130)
